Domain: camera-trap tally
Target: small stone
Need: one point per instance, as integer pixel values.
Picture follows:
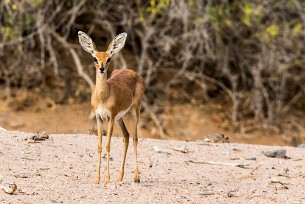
(274, 180)
(207, 193)
(9, 188)
(217, 138)
(105, 157)
(286, 169)
(251, 158)
(160, 149)
(232, 148)
(280, 153)
(56, 201)
(230, 194)
(147, 184)
(301, 145)
(40, 137)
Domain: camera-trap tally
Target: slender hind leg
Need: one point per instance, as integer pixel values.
(99, 146)
(126, 142)
(135, 143)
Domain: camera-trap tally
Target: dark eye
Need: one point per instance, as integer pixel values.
(108, 60)
(95, 60)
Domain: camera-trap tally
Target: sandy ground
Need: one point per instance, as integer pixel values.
(62, 170)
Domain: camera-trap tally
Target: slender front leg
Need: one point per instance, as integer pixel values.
(109, 133)
(126, 142)
(136, 176)
(99, 146)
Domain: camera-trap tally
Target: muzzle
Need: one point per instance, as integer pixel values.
(102, 70)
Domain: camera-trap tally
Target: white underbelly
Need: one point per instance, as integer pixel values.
(104, 113)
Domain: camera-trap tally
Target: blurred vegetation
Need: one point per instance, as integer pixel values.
(249, 54)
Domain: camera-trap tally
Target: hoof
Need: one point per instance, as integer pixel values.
(120, 177)
(107, 180)
(137, 180)
(97, 181)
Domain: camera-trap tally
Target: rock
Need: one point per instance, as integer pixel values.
(251, 158)
(232, 148)
(105, 157)
(286, 169)
(160, 149)
(217, 138)
(56, 201)
(231, 194)
(40, 137)
(9, 188)
(301, 145)
(280, 153)
(207, 193)
(275, 180)
(147, 184)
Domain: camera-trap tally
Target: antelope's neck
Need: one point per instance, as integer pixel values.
(101, 88)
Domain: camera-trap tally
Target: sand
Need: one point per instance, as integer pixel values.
(62, 169)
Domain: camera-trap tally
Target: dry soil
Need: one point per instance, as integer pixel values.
(62, 169)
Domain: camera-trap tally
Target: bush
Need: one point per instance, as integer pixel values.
(248, 53)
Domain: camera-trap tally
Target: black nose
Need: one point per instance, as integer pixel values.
(102, 69)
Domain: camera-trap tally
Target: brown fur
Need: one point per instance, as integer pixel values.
(125, 87)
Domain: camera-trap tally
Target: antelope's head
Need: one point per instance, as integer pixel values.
(102, 59)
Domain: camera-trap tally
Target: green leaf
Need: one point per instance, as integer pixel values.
(247, 8)
(273, 30)
(246, 20)
(35, 3)
(296, 29)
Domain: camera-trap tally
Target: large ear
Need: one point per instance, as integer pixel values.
(86, 42)
(117, 44)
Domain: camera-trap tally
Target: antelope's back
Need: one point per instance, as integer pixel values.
(125, 79)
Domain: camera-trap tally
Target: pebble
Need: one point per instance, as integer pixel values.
(280, 153)
(232, 148)
(147, 184)
(160, 149)
(301, 145)
(56, 201)
(286, 169)
(207, 193)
